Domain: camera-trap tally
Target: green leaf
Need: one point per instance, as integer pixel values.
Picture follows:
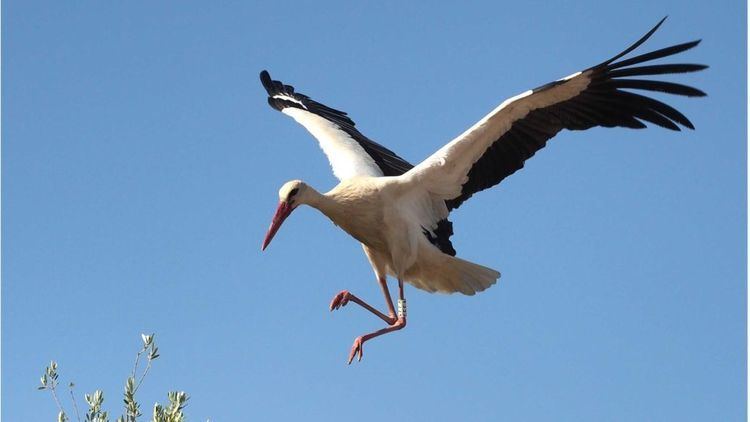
(147, 339)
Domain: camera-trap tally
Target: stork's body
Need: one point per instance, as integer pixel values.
(386, 214)
(399, 212)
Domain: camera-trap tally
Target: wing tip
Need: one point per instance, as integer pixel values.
(636, 44)
(265, 79)
(691, 44)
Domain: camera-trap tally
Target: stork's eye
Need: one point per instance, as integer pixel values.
(293, 192)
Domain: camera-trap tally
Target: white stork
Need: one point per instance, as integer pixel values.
(399, 212)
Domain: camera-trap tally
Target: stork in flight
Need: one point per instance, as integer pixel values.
(399, 211)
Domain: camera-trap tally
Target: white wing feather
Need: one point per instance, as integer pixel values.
(348, 159)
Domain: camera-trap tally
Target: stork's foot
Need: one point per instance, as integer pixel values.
(341, 299)
(356, 350)
(359, 342)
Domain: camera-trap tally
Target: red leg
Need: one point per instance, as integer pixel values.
(388, 300)
(357, 347)
(343, 297)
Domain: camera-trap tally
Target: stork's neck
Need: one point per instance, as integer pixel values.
(354, 206)
(327, 204)
(322, 203)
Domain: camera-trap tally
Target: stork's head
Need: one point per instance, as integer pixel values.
(291, 195)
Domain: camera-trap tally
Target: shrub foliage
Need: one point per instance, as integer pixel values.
(132, 410)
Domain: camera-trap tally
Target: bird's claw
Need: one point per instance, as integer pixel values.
(341, 299)
(356, 350)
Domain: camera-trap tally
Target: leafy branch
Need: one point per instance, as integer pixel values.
(171, 413)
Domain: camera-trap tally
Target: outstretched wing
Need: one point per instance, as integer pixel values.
(350, 152)
(500, 143)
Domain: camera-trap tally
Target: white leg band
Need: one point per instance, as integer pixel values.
(402, 308)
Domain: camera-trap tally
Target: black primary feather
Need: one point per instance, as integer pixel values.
(388, 161)
(605, 102)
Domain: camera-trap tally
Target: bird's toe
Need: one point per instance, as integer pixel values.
(341, 299)
(356, 350)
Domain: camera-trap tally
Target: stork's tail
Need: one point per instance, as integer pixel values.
(472, 278)
(456, 275)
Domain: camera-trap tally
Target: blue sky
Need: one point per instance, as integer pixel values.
(140, 170)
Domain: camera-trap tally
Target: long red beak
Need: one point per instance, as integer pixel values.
(282, 212)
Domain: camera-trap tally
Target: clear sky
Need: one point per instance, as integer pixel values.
(140, 170)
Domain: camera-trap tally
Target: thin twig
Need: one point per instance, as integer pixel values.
(54, 395)
(142, 376)
(137, 358)
(73, 399)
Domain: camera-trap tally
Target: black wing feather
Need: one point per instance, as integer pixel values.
(388, 162)
(602, 103)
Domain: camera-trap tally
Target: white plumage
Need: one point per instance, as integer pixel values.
(348, 159)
